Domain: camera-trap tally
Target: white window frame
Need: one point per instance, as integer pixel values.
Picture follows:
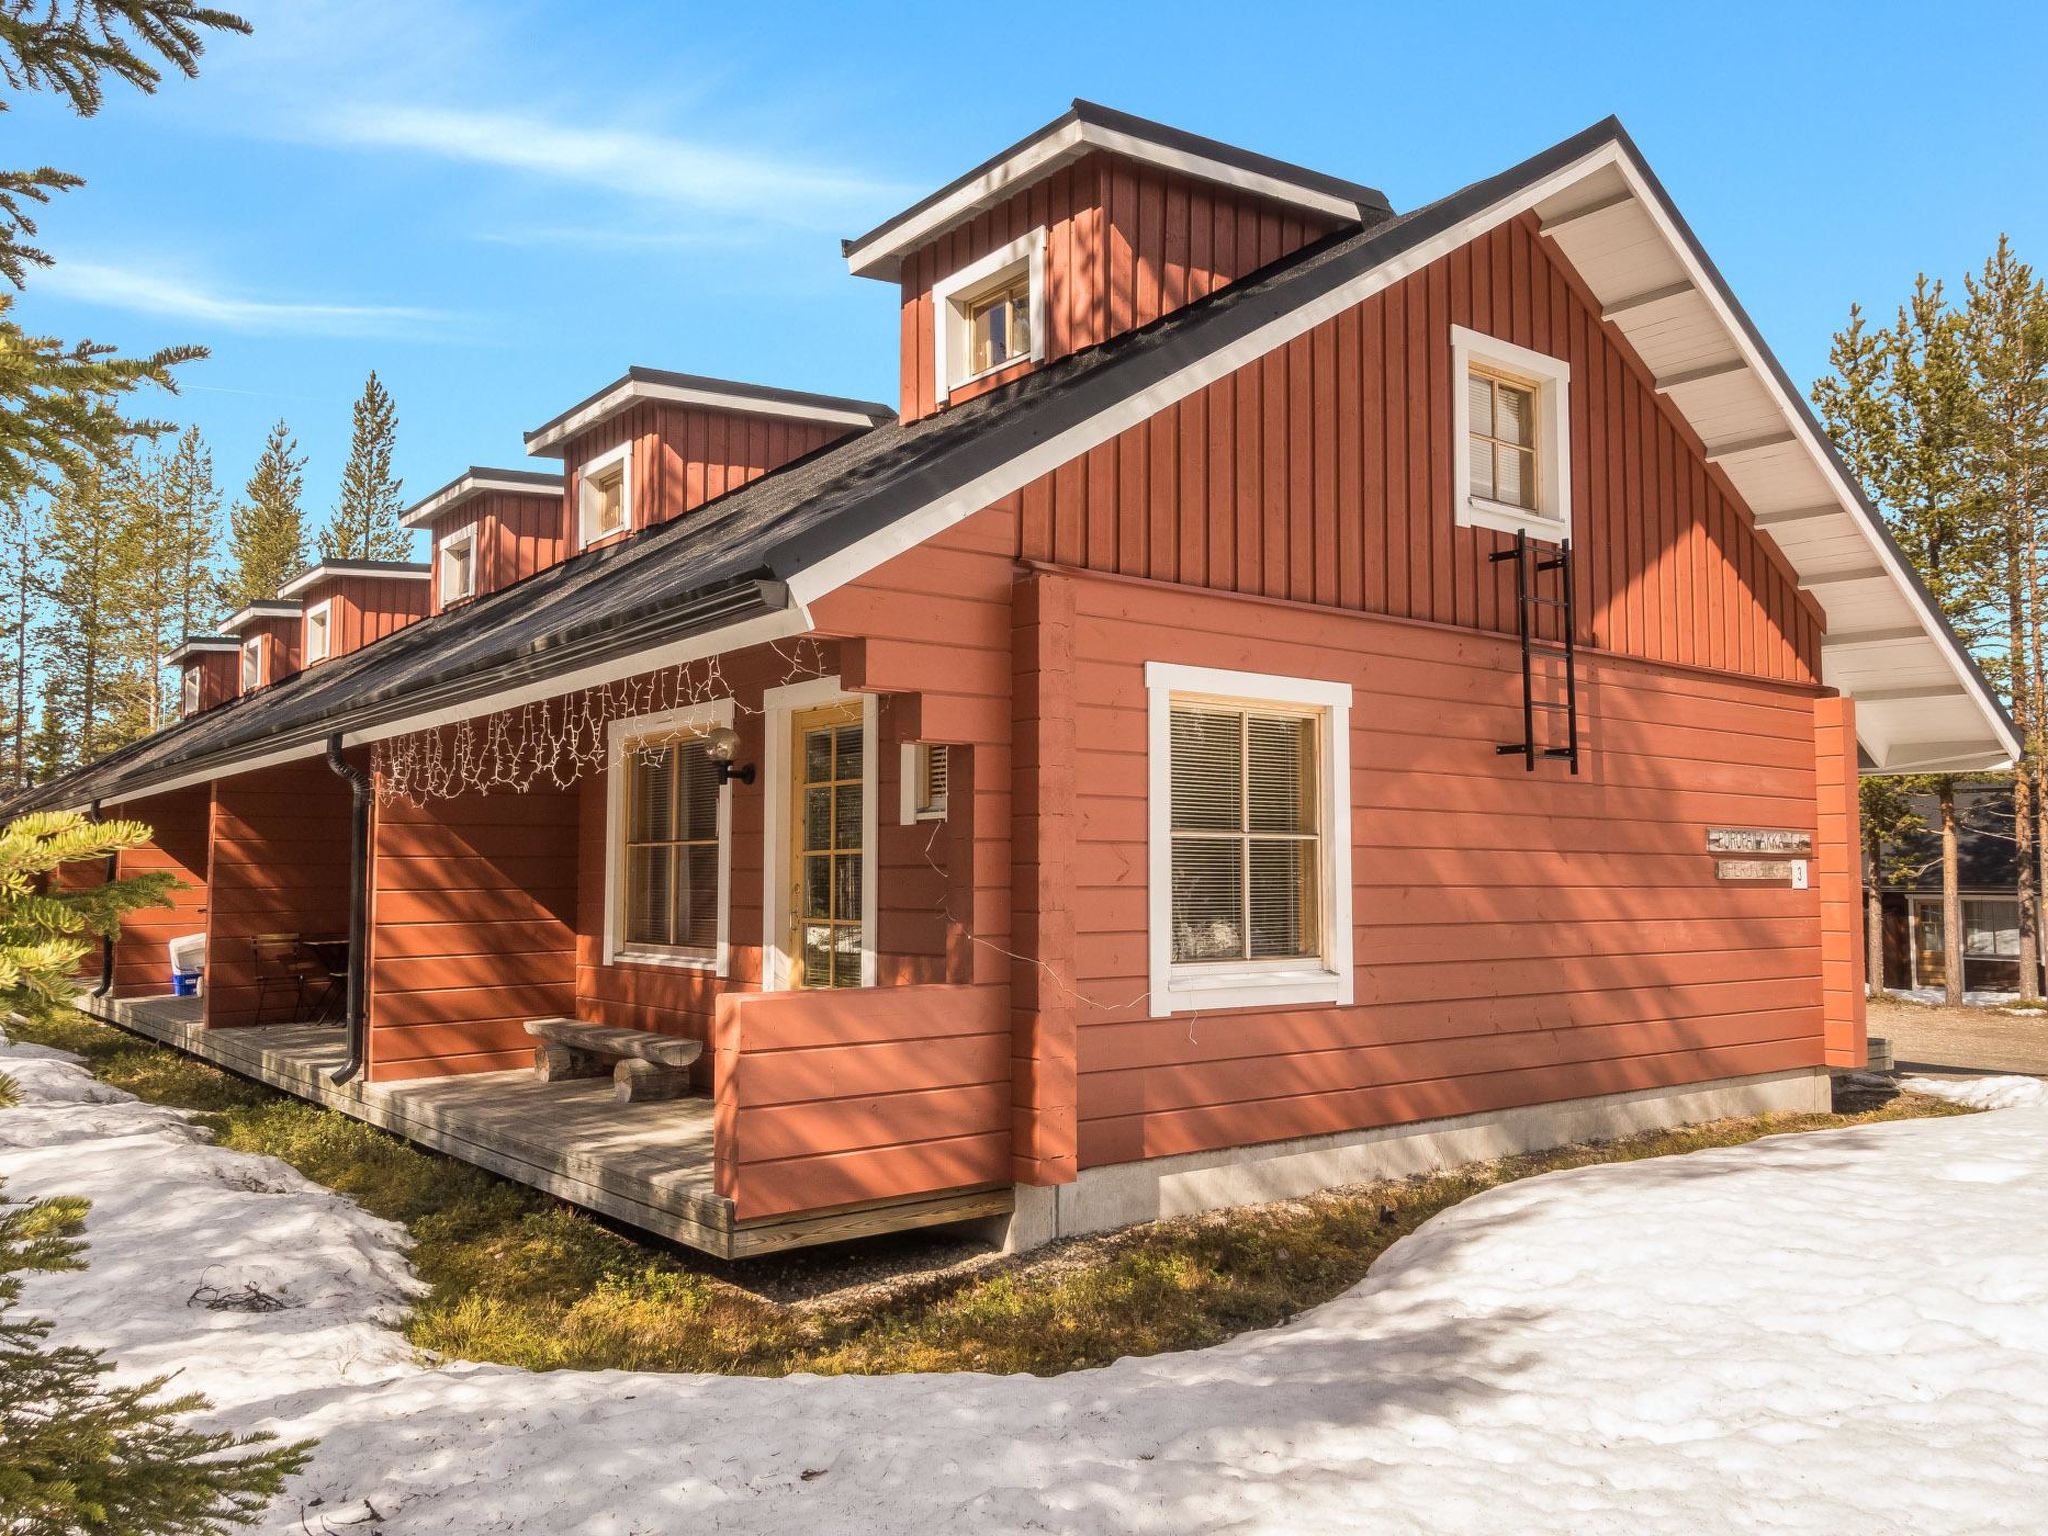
(778, 705)
(622, 736)
(586, 502)
(1551, 380)
(320, 621)
(952, 295)
(910, 785)
(189, 688)
(1187, 988)
(252, 663)
(461, 536)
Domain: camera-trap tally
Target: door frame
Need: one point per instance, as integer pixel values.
(779, 707)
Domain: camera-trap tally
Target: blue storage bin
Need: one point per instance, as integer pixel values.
(184, 983)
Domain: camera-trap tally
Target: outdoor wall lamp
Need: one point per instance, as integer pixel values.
(720, 746)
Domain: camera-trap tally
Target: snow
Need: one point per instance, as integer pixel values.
(1982, 1092)
(1841, 1331)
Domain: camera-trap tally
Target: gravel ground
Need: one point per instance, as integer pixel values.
(1929, 1038)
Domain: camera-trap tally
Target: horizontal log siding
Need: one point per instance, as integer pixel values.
(515, 537)
(684, 456)
(280, 865)
(178, 824)
(1322, 473)
(1519, 938)
(474, 916)
(835, 1098)
(1125, 244)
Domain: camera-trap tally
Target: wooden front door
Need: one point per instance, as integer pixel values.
(829, 752)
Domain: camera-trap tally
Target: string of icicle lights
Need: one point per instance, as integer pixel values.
(554, 742)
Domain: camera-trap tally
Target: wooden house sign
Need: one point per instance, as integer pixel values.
(1751, 840)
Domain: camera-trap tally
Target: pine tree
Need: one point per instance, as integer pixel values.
(58, 400)
(96, 699)
(365, 524)
(268, 528)
(21, 582)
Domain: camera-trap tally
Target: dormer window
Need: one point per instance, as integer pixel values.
(189, 699)
(458, 566)
(604, 495)
(318, 632)
(1511, 415)
(252, 664)
(990, 315)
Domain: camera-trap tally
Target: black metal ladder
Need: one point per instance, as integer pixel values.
(1535, 648)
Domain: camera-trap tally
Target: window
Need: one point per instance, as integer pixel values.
(925, 770)
(990, 314)
(189, 697)
(458, 566)
(318, 636)
(604, 495)
(1512, 414)
(1250, 839)
(252, 663)
(670, 868)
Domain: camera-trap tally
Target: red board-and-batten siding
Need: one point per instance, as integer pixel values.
(364, 609)
(1125, 244)
(220, 676)
(280, 641)
(517, 535)
(684, 456)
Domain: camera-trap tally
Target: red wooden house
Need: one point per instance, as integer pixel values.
(1294, 690)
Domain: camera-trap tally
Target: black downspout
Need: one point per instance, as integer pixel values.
(106, 939)
(358, 905)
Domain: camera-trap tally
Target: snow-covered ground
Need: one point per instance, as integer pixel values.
(1836, 1332)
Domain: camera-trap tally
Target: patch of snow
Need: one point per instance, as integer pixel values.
(1981, 1092)
(1936, 997)
(1819, 1333)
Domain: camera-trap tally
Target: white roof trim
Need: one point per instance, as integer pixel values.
(268, 608)
(454, 494)
(339, 569)
(1890, 739)
(1040, 159)
(628, 392)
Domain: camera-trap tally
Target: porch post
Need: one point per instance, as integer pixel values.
(1838, 863)
(1042, 1002)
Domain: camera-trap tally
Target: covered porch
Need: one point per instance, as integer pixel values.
(654, 1166)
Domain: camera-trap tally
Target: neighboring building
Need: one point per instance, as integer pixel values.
(1987, 875)
(1145, 769)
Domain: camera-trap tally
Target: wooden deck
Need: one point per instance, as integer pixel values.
(648, 1165)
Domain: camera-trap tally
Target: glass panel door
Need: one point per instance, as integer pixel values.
(827, 821)
(1928, 967)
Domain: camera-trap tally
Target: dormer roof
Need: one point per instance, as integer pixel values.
(264, 608)
(404, 570)
(1085, 128)
(642, 384)
(199, 645)
(474, 482)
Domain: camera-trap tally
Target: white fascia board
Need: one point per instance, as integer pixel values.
(325, 572)
(630, 392)
(268, 609)
(208, 775)
(465, 488)
(879, 256)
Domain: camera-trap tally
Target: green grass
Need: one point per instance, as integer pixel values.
(519, 1278)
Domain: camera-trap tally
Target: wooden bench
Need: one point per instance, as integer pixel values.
(642, 1064)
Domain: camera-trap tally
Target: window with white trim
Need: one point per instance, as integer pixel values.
(1250, 858)
(670, 854)
(458, 565)
(604, 495)
(252, 663)
(319, 636)
(926, 770)
(990, 315)
(189, 696)
(1511, 420)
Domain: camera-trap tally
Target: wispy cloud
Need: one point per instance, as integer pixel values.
(653, 167)
(151, 293)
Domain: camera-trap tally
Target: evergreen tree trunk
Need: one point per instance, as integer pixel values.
(1873, 913)
(1951, 900)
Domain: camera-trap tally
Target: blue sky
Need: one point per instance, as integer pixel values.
(499, 205)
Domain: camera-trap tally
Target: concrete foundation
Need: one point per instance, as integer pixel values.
(1123, 1193)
